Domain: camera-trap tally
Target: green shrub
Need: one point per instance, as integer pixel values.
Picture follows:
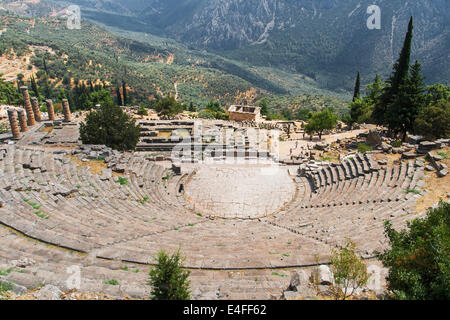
(168, 279)
(349, 271)
(122, 181)
(112, 282)
(418, 257)
(4, 287)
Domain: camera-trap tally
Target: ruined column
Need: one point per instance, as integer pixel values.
(66, 110)
(13, 123)
(50, 110)
(36, 111)
(22, 120)
(27, 104)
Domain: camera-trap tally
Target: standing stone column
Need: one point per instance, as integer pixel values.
(66, 110)
(50, 110)
(13, 123)
(36, 111)
(22, 120)
(27, 104)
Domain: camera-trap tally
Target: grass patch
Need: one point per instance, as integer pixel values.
(279, 274)
(396, 144)
(34, 205)
(144, 200)
(412, 191)
(199, 214)
(112, 282)
(167, 177)
(122, 181)
(362, 147)
(444, 155)
(41, 214)
(5, 272)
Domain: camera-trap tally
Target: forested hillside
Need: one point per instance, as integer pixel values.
(151, 67)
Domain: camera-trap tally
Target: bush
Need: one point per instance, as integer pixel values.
(142, 111)
(419, 257)
(168, 279)
(349, 271)
(112, 127)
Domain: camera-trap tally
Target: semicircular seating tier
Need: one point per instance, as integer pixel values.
(51, 198)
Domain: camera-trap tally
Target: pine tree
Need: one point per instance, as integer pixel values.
(357, 92)
(375, 89)
(168, 279)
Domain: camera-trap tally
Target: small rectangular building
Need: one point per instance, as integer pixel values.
(244, 113)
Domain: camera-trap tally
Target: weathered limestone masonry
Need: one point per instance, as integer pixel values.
(66, 110)
(50, 110)
(22, 120)
(13, 122)
(36, 111)
(28, 108)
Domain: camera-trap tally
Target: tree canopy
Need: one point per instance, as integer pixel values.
(419, 257)
(110, 126)
(321, 121)
(9, 94)
(168, 107)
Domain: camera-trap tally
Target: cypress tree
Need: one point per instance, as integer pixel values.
(119, 97)
(125, 98)
(34, 87)
(395, 83)
(357, 92)
(45, 66)
(401, 67)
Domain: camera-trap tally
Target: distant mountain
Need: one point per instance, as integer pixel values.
(324, 40)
